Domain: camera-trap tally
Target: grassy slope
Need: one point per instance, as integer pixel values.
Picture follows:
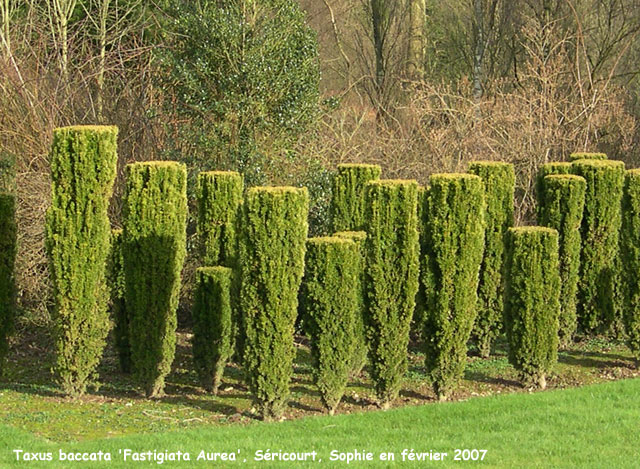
(594, 426)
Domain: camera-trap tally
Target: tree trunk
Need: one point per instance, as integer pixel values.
(415, 46)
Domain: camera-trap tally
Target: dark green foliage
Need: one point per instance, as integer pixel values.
(499, 183)
(546, 170)
(360, 347)
(587, 156)
(8, 249)
(83, 170)
(630, 257)
(212, 344)
(121, 319)
(561, 208)
(219, 198)
(452, 253)
(271, 252)
(347, 200)
(421, 300)
(245, 77)
(330, 294)
(154, 222)
(600, 235)
(391, 279)
(532, 301)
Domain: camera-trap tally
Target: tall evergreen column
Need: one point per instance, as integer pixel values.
(154, 231)
(83, 171)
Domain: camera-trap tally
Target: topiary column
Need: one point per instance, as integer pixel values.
(330, 294)
(121, 319)
(499, 185)
(8, 249)
(271, 253)
(360, 346)
(212, 326)
(83, 170)
(600, 236)
(630, 257)
(154, 230)
(452, 254)
(532, 301)
(561, 209)
(219, 197)
(391, 279)
(546, 170)
(347, 208)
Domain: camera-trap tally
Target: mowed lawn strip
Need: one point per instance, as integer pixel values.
(594, 426)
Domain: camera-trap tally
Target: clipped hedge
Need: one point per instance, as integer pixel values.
(212, 327)
(8, 249)
(587, 156)
(347, 209)
(154, 230)
(561, 208)
(600, 236)
(391, 279)
(548, 169)
(83, 171)
(121, 319)
(630, 257)
(532, 301)
(452, 254)
(330, 291)
(271, 253)
(499, 181)
(219, 195)
(360, 346)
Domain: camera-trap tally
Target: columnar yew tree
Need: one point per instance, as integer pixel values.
(499, 185)
(600, 235)
(121, 319)
(347, 201)
(587, 156)
(452, 254)
(561, 208)
(212, 344)
(391, 279)
(8, 249)
(219, 199)
(630, 256)
(532, 301)
(360, 346)
(271, 253)
(83, 170)
(546, 170)
(330, 293)
(154, 223)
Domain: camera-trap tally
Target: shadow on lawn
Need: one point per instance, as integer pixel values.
(594, 360)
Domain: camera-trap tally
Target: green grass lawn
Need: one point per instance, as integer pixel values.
(584, 420)
(594, 426)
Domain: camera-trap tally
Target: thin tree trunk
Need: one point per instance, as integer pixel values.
(415, 49)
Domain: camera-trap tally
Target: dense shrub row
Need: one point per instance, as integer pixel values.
(450, 247)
